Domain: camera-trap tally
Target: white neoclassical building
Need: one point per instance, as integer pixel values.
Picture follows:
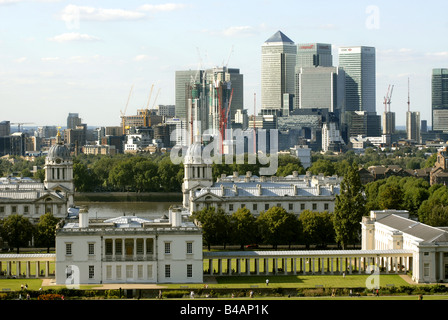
(393, 230)
(33, 199)
(295, 193)
(129, 250)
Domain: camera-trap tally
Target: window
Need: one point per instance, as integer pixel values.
(14, 209)
(254, 207)
(140, 271)
(119, 246)
(129, 271)
(149, 271)
(167, 271)
(68, 248)
(266, 206)
(91, 248)
(139, 246)
(291, 207)
(189, 247)
(243, 206)
(91, 272)
(189, 270)
(167, 247)
(118, 270)
(26, 209)
(426, 253)
(230, 207)
(302, 206)
(149, 246)
(108, 272)
(314, 206)
(326, 206)
(2, 209)
(108, 247)
(426, 269)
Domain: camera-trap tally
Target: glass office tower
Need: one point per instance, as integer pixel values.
(440, 100)
(360, 87)
(278, 60)
(313, 55)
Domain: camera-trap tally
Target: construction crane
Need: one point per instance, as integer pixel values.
(390, 97)
(123, 113)
(386, 99)
(20, 124)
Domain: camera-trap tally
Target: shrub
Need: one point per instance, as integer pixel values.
(50, 296)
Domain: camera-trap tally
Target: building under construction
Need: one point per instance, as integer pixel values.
(212, 98)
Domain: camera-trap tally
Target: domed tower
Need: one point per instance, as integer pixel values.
(197, 172)
(59, 171)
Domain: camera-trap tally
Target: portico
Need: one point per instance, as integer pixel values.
(26, 265)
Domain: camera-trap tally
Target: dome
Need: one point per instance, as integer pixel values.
(194, 154)
(58, 151)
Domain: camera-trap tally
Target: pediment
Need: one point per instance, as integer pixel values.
(209, 196)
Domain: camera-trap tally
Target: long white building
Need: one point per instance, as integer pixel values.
(129, 250)
(295, 193)
(393, 230)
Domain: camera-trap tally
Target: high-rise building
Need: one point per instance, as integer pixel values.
(440, 100)
(184, 80)
(278, 61)
(5, 128)
(388, 122)
(314, 55)
(320, 87)
(73, 120)
(360, 86)
(413, 126)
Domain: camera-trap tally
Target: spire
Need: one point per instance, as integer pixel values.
(58, 136)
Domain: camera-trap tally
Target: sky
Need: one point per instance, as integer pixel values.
(101, 58)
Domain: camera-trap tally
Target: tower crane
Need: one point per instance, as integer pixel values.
(20, 124)
(390, 97)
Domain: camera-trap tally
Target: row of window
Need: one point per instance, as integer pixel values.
(129, 247)
(26, 209)
(255, 206)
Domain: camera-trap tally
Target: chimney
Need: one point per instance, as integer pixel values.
(83, 218)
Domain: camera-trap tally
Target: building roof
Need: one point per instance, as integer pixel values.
(414, 228)
(279, 37)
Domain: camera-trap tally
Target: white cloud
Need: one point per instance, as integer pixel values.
(20, 60)
(73, 13)
(73, 36)
(162, 7)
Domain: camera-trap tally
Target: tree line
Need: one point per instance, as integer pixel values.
(18, 231)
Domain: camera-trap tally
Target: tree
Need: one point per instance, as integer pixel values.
(215, 226)
(277, 226)
(317, 227)
(323, 166)
(45, 230)
(437, 217)
(243, 227)
(17, 231)
(83, 178)
(390, 197)
(349, 208)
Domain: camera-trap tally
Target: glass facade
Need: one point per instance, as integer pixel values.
(440, 99)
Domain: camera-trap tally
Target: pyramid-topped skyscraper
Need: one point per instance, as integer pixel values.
(278, 60)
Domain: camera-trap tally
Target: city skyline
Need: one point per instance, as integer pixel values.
(61, 57)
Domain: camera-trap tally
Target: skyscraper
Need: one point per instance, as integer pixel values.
(360, 87)
(278, 60)
(413, 126)
(440, 100)
(313, 55)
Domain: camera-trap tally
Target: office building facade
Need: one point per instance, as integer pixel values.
(360, 86)
(314, 55)
(278, 61)
(440, 99)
